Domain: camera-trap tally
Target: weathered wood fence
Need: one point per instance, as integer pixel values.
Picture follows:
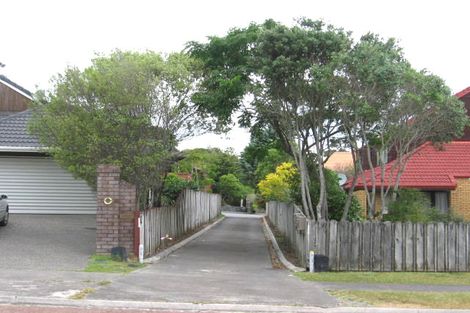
(287, 218)
(192, 210)
(376, 246)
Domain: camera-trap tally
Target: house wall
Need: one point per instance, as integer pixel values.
(362, 198)
(460, 198)
(11, 100)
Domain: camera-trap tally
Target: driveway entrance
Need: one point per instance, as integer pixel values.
(228, 264)
(47, 242)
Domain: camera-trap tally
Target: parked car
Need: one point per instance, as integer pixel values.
(4, 210)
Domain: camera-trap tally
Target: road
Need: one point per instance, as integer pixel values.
(228, 264)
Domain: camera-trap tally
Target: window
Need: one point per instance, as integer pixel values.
(439, 200)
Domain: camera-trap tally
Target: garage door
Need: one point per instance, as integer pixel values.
(38, 185)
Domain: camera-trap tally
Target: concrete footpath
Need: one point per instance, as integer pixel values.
(228, 264)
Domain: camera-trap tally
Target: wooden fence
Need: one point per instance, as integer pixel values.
(376, 246)
(192, 210)
(287, 219)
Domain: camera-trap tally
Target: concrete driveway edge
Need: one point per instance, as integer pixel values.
(169, 250)
(201, 307)
(278, 251)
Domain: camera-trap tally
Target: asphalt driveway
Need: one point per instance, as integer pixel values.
(47, 242)
(228, 264)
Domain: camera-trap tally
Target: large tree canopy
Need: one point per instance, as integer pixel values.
(317, 89)
(128, 109)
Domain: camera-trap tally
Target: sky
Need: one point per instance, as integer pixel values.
(41, 38)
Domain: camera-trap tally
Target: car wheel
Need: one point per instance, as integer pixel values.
(4, 222)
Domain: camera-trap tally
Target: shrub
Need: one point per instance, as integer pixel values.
(413, 206)
(336, 197)
(173, 185)
(280, 185)
(231, 189)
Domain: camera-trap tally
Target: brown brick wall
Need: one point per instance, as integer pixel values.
(460, 198)
(362, 198)
(114, 221)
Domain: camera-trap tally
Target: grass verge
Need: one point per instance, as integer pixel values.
(106, 264)
(408, 278)
(406, 299)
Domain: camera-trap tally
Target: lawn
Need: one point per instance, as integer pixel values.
(435, 300)
(411, 278)
(106, 264)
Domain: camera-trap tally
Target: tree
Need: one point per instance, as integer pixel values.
(389, 107)
(208, 164)
(280, 185)
(288, 74)
(128, 109)
(317, 89)
(261, 155)
(231, 189)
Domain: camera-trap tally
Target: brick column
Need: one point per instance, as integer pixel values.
(115, 215)
(107, 215)
(127, 207)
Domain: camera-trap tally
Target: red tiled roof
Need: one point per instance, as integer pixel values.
(428, 168)
(462, 93)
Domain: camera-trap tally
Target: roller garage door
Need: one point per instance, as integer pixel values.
(37, 185)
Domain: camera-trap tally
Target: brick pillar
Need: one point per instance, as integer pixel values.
(107, 214)
(115, 215)
(127, 207)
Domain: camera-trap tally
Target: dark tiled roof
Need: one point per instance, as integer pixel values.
(8, 81)
(14, 132)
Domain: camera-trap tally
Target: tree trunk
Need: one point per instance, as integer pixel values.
(322, 205)
(303, 183)
(349, 198)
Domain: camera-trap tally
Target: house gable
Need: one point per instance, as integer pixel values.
(13, 97)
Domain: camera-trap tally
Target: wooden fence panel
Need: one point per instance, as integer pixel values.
(192, 210)
(376, 246)
(441, 247)
(430, 260)
(355, 249)
(462, 247)
(419, 247)
(387, 247)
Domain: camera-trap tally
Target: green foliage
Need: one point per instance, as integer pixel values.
(127, 109)
(270, 162)
(413, 206)
(173, 185)
(336, 197)
(282, 185)
(231, 189)
(207, 165)
(262, 155)
(316, 88)
(106, 264)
